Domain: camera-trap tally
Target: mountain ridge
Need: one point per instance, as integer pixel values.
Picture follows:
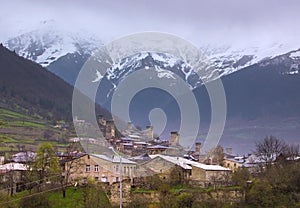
(25, 85)
(53, 47)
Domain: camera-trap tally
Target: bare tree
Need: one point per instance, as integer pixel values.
(70, 164)
(292, 152)
(216, 154)
(270, 148)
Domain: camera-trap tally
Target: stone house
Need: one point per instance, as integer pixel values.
(190, 170)
(163, 166)
(101, 168)
(233, 163)
(12, 177)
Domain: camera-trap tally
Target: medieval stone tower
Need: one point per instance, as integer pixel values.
(101, 120)
(149, 132)
(174, 140)
(110, 129)
(198, 147)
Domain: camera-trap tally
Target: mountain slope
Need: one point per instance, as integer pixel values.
(262, 99)
(26, 86)
(62, 52)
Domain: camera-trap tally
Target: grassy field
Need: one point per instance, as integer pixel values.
(75, 198)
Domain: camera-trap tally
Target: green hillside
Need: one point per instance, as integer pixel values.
(20, 132)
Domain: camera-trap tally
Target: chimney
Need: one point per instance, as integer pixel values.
(149, 132)
(174, 140)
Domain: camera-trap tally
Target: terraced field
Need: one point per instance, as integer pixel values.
(20, 132)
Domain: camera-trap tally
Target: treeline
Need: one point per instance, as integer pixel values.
(276, 181)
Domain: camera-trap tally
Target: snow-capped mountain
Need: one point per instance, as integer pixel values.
(290, 62)
(49, 42)
(228, 59)
(165, 65)
(261, 82)
(64, 53)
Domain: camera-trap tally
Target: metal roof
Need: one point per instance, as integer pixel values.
(114, 159)
(188, 164)
(12, 166)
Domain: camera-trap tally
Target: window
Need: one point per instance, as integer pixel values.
(124, 169)
(117, 178)
(96, 178)
(96, 168)
(117, 168)
(87, 168)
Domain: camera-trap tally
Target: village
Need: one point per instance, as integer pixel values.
(141, 155)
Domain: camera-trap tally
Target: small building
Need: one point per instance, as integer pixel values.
(190, 170)
(12, 176)
(126, 147)
(156, 149)
(13, 166)
(233, 163)
(140, 145)
(164, 165)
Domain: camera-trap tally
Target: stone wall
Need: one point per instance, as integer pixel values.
(223, 195)
(114, 192)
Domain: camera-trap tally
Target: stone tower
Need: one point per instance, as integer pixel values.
(149, 132)
(101, 120)
(129, 126)
(198, 147)
(174, 140)
(110, 129)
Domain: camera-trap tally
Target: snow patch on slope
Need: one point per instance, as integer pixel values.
(295, 55)
(228, 59)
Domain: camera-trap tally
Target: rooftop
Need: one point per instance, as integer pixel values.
(114, 159)
(188, 164)
(12, 167)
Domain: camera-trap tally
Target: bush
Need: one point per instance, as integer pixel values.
(138, 201)
(35, 200)
(94, 196)
(185, 200)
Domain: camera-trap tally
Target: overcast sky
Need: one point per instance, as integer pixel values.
(211, 21)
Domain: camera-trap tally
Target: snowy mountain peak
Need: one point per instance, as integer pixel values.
(49, 42)
(165, 65)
